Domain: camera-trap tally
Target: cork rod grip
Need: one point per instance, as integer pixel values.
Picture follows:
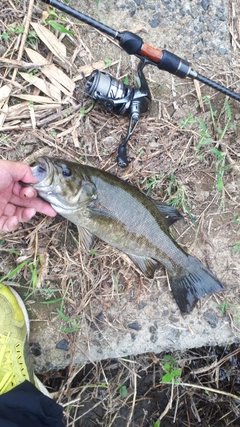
(150, 53)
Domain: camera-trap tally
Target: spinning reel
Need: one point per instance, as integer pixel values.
(120, 98)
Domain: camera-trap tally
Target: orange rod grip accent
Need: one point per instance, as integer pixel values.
(151, 53)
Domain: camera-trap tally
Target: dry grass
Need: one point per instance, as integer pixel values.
(130, 392)
(43, 114)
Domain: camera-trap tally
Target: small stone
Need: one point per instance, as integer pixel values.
(154, 338)
(211, 318)
(205, 4)
(195, 12)
(223, 18)
(196, 41)
(154, 23)
(141, 305)
(223, 51)
(135, 325)
(133, 336)
(62, 345)
(156, 20)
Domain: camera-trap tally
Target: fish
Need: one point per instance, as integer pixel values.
(111, 209)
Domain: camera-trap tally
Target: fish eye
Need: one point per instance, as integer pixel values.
(66, 172)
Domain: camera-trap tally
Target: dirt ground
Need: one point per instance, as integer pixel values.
(87, 307)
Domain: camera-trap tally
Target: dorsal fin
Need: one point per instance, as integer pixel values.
(169, 213)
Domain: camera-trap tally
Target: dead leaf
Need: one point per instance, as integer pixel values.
(45, 87)
(36, 98)
(51, 41)
(4, 94)
(22, 110)
(53, 73)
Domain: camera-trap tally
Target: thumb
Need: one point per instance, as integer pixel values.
(28, 193)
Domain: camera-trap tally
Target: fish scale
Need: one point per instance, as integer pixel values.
(145, 224)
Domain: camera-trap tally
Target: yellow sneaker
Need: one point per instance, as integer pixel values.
(15, 364)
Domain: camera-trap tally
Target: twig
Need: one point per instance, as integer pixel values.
(211, 390)
(17, 63)
(169, 405)
(215, 364)
(24, 36)
(134, 400)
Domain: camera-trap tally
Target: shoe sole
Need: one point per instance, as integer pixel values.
(39, 384)
(23, 308)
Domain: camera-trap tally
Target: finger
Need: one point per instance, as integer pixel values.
(24, 214)
(21, 213)
(38, 204)
(11, 223)
(44, 207)
(17, 170)
(27, 193)
(9, 210)
(8, 224)
(23, 192)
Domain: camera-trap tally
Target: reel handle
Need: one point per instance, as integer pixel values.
(122, 160)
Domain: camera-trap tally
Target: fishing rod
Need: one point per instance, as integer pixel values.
(121, 98)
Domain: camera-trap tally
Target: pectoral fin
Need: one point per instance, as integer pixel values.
(146, 265)
(99, 213)
(86, 238)
(169, 213)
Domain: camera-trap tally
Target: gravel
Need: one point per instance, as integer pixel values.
(199, 26)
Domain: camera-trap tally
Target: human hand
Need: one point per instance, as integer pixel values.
(17, 203)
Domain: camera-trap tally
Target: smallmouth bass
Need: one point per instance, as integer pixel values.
(104, 206)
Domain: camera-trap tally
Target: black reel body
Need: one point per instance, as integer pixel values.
(119, 98)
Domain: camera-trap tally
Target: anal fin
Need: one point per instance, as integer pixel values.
(146, 265)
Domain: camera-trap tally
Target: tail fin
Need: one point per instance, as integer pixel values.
(196, 282)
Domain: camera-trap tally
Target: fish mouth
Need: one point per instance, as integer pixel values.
(42, 171)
